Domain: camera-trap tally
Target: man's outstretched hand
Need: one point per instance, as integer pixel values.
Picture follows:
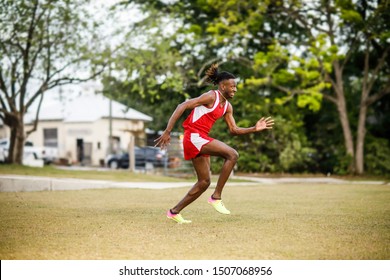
(264, 123)
(163, 141)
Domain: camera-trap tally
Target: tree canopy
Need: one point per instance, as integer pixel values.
(287, 52)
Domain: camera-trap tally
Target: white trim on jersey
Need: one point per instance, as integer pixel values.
(226, 105)
(198, 141)
(202, 110)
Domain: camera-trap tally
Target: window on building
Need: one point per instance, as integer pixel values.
(50, 137)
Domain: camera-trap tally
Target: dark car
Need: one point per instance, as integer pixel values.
(143, 156)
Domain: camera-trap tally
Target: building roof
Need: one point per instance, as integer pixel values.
(83, 107)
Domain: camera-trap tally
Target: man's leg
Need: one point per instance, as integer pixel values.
(218, 148)
(202, 168)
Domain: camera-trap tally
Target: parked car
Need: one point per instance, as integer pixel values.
(31, 159)
(143, 155)
(47, 154)
(4, 147)
(2, 154)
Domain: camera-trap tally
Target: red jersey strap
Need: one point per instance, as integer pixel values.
(226, 102)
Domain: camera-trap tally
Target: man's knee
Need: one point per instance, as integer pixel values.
(204, 183)
(200, 187)
(233, 155)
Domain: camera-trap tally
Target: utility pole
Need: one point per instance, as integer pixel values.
(131, 153)
(110, 126)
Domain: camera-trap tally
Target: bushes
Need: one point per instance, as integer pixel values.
(377, 156)
(301, 141)
(283, 149)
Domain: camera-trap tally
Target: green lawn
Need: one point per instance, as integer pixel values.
(277, 222)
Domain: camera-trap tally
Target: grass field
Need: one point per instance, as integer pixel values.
(278, 222)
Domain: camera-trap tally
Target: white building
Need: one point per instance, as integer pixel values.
(78, 125)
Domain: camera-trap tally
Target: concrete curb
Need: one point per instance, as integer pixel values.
(15, 183)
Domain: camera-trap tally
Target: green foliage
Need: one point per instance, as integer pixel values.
(290, 74)
(349, 12)
(283, 149)
(292, 56)
(312, 100)
(234, 19)
(295, 154)
(343, 163)
(377, 159)
(150, 78)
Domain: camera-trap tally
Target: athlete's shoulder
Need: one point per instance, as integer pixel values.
(207, 98)
(229, 108)
(210, 93)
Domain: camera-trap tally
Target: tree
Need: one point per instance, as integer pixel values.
(332, 50)
(204, 38)
(307, 50)
(148, 69)
(43, 45)
(348, 45)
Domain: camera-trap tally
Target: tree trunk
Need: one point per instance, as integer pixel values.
(347, 133)
(361, 133)
(16, 149)
(343, 116)
(11, 148)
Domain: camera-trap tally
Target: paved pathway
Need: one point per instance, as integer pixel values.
(314, 180)
(19, 183)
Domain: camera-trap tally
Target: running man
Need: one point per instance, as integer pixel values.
(198, 146)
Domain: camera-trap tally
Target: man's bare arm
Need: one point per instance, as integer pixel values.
(262, 124)
(205, 99)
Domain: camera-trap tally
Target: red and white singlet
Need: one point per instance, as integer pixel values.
(198, 125)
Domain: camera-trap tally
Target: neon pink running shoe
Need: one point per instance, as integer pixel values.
(177, 218)
(218, 205)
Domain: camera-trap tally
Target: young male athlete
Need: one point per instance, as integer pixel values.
(198, 146)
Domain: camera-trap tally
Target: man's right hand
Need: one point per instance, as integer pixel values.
(164, 140)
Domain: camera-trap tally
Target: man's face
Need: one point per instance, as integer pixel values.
(229, 88)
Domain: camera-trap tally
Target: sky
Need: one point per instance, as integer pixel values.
(112, 21)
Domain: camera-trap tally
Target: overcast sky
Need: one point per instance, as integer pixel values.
(120, 20)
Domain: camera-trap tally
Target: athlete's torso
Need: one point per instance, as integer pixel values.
(202, 118)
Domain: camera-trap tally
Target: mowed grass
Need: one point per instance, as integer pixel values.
(278, 222)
